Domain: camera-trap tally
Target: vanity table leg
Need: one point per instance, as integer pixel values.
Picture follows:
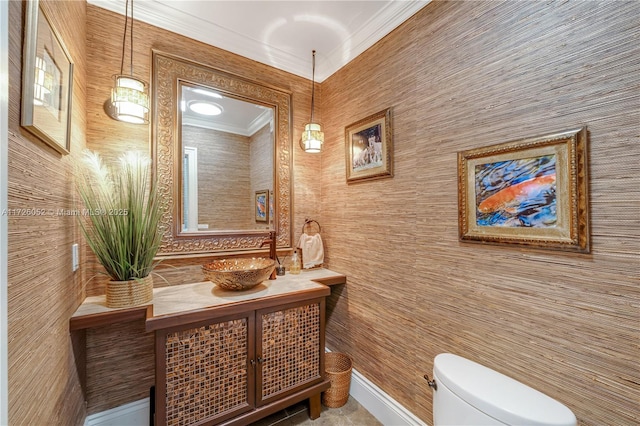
(315, 406)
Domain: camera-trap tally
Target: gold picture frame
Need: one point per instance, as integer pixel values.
(262, 206)
(369, 147)
(47, 81)
(530, 192)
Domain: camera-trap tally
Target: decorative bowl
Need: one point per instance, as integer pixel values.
(238, 274)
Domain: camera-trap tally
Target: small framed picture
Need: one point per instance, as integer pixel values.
(531, 192)
(369, 148)
(47, 80)
(262, 206)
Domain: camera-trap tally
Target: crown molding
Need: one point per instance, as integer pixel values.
(257, 124)
(164, 16)
(374, 30)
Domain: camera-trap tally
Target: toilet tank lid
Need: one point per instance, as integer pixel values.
(499, 396)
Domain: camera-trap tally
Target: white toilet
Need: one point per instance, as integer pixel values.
(467, 393)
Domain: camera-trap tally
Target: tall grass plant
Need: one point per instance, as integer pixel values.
(121, 213)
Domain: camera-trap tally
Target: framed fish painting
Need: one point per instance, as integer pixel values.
(530, 192)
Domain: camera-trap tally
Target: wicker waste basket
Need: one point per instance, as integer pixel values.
(338, 370)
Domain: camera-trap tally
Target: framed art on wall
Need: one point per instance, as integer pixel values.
(530, 192)
(47, 80)
(262, 206)
(369, 147)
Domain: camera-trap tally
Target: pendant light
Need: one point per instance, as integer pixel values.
(312, 135)
(129, 101)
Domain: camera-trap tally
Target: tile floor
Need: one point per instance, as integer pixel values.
(350, 414)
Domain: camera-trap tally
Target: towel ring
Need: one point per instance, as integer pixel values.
(308, 221)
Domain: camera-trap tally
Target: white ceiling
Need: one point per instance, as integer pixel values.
(279, 33)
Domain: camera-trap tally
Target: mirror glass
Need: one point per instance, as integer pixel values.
(227, 161)
(222, 152)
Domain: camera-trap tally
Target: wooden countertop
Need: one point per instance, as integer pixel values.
(198, 300)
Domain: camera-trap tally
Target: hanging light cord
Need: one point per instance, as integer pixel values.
(313, 83)
(131, 44)
(124, 39)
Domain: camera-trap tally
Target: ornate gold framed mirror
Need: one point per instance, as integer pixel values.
(222, 153)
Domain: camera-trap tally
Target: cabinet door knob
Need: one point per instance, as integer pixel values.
(260, 360)
(252, 362)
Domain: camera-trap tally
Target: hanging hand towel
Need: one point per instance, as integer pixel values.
(312, 250)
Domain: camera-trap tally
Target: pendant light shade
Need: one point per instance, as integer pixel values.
(312, 135)
(312, 138)
(129, 100)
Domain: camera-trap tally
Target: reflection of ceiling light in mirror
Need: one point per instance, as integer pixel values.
(207, 93)
(205, 108)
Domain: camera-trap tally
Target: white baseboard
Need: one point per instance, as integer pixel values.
(132, 414)
(384, 408)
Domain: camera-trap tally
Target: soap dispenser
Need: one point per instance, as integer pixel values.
(295, 263)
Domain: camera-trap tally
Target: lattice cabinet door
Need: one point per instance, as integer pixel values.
(206, 374)
(289, 348)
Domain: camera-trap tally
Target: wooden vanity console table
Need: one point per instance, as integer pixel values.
(226, 357)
